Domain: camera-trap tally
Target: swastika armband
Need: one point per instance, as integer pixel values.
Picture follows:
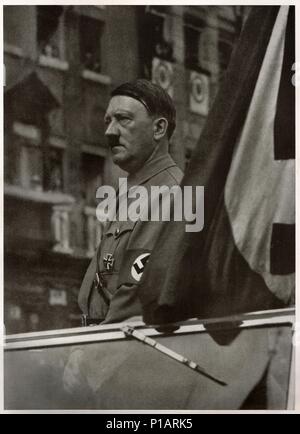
(133, 266)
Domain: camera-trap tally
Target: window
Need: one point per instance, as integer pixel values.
(159, 32)
(90, 35)
(11, 26)
(225, 47)
(38, 173)
(27, 139)
(155, 37)
(31, 166)
(56, 170)
(193, 29)
(39, 168)
(50, 31)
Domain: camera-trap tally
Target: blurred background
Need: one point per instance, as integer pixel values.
(61, 62)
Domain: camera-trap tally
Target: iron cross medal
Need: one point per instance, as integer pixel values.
(109, 262)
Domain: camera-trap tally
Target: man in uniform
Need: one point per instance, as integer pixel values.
(140, 120)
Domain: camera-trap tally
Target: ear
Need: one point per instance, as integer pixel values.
(160, 127)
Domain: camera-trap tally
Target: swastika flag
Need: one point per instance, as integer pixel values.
(244, 259)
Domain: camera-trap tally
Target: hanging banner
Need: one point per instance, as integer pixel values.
(162, 74)
(199, 93)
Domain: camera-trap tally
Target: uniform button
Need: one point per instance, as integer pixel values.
(117, 232)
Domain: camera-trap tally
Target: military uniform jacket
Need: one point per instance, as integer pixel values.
(126, 246)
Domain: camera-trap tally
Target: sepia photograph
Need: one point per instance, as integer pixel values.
(149, 243)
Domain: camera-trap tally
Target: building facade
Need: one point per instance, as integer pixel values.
(61, 62)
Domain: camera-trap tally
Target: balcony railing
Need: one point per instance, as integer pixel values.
(58, 219)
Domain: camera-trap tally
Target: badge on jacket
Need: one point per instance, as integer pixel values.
(133, 266)
(139, 265)
(109, 262)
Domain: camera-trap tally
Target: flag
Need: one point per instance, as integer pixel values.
(244, 258)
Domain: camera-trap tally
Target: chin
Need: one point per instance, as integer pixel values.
(119, 162)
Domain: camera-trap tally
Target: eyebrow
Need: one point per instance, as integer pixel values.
(119, 112)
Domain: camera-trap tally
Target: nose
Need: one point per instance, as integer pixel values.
(112, 134)
(112, 129)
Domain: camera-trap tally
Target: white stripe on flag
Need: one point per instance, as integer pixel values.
(259, 190)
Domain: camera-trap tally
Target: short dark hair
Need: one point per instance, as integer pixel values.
(156, 100)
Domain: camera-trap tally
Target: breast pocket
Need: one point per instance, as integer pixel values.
(114, 245)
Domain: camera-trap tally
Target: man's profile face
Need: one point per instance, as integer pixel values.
(129, 132)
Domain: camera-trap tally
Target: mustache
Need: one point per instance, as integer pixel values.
(113, 141)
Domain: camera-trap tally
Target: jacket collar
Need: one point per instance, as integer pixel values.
(152, 168)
